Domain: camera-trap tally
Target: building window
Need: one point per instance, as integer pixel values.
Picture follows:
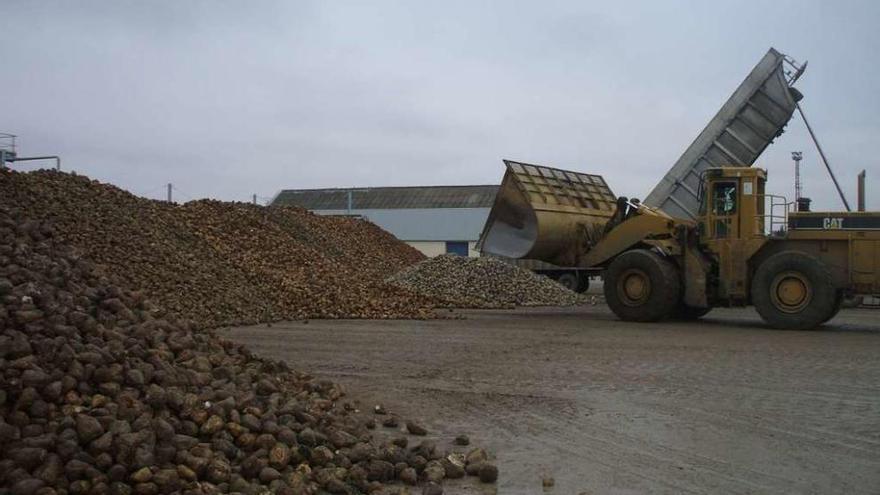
(457, 247)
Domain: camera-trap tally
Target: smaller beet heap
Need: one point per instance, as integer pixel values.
(481, 283)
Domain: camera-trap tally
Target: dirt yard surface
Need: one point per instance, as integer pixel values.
(723, 405)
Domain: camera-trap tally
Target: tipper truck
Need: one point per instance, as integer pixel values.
(708, 235)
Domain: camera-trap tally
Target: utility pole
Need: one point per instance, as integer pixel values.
(351, 199)
(797, 156)
(169, 192)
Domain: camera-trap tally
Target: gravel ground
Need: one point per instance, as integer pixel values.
(718, 406)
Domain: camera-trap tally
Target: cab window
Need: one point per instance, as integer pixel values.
(724, 198)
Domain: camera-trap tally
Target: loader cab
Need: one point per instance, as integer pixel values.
(732, 203)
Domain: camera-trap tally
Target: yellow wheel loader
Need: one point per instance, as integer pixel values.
(744, 248)
(708, 235)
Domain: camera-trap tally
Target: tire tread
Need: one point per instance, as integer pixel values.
(666, 289)
(820, 309)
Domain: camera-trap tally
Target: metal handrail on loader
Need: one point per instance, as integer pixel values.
(771, 218)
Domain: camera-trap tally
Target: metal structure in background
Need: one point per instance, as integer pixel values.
(7, 148)
(34, 158)
(9, 152)
(797, 156)
(7, 142)
(747, 123)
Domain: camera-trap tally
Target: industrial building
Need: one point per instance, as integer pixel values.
(432, 219)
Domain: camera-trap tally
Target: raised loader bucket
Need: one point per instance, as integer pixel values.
(547, 214)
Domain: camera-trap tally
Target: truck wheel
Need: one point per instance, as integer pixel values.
(852, 302)
(642, 286)
(794, 291)
(569, 280)
(583, 284)
(689, 313)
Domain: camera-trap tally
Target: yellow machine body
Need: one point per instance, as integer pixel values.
(761, 225)
(569, 218)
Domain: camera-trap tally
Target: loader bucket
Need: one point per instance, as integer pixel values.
(547, 214)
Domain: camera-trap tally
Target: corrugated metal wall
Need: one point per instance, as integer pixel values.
(426, 224)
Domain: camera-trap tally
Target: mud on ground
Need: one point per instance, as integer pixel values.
(723, 405)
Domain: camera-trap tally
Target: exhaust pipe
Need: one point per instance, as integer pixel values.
(861, 191)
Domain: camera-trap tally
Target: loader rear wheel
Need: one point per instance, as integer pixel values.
(574, 281)
(569, 280)
(583, 284)
(642, 286)
(792, 290)
(838, 303)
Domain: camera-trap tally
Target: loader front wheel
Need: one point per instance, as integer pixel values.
(793, 291)
(642, 286)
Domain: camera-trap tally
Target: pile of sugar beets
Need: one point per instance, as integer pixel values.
(101, 392)
(464, 282)
(222, 263)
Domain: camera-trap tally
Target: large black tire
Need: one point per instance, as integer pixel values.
(689, 313)
(569, 280)
(642, 286)
(838, 303)
(794, 291)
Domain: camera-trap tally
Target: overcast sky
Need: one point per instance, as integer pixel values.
(226, 99)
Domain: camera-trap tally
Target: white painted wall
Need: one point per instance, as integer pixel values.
(425, 224)
(435, 248)
(429, 248)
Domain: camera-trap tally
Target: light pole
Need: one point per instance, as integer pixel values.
(797, 156)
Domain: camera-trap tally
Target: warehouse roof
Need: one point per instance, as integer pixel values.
(381, 198)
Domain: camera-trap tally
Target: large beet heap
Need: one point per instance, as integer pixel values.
(103, 393)
(224, 263)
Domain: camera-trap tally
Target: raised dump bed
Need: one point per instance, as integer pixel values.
(749, 121)
(547, 214)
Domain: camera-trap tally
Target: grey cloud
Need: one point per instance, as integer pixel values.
(230, 98)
